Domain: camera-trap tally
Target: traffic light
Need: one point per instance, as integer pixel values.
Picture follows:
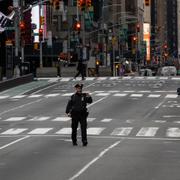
(57, 4)
(82, 4)
(147, 2)
(88, 3)
(134, 39)
(77, 26)
(22, 28)
(138, 27)
(42, 20)
(40, 34)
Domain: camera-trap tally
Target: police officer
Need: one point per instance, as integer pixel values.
(77, 110)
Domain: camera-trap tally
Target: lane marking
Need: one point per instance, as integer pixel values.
(171, 96)
(97, 101)
(173, 132)
(14, 142)
(52, 95)
(95, 130)
(35, 96)
(19, 107)
(14, 131)
(64, 131)
(154, 95)
(40, 131)
(62, 119)
(147, 131)
(15, 119)
(3, 97)
(120, 95)
(106, 120)
(18, 96)
(136, 95)
(94, 160)
(123, 131)
(102, 94)
(39, 118)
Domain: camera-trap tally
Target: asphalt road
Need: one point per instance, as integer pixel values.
(133, 131)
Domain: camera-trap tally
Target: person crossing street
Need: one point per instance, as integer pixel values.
(77, 110)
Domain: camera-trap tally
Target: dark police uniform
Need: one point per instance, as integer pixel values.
(76, 107)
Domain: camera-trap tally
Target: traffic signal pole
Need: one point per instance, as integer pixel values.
(40, 41)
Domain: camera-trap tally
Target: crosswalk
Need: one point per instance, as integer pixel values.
(63, 127)
(66, 79)
(132, 94)
(170, 132)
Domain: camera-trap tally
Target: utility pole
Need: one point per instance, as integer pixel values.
(16, 25)
(40, 41)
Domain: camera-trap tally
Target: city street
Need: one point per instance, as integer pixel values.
(133, 130)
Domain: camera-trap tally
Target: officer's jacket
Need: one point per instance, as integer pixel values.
(78, 103)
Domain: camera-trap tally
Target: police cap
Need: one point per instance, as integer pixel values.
(79, 86)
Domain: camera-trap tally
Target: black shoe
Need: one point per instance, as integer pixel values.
(85, 143)
(75, 144)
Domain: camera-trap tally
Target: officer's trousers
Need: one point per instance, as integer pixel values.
(79, 117)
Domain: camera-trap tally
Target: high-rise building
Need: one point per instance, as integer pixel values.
(164, 30)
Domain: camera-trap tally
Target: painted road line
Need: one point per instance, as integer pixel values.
(122, 131)
(173, 132)
(101, 78)
(90, 119)
(89, 78)
(102, 94)
(64, 131)
(35, 96)
(39, 118)
(98, 92)
(120, 95)
(113, 78)
(128, 91)
(154, 95)
(4, 97)
(14, 142)
(175, 78)
(163, 78)
(67, 94)
(14, 131)
(62, 119)
(95, 130)
(127, 78)
(136, 95)
(65, 79)
(113, 91)
(94, 160)
(171, 116)
(171, 96)
(106, 120)
(147, 131)
(40, 131)
(52, 95)
(139, 78)
(151, 78)
(160, 121)
(144, 91)
(18, 96)
(176, 122)
(15, 119)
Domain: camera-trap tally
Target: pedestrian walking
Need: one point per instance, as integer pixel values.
(77, 110)
(81, 70)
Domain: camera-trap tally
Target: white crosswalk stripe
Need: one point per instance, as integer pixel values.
(90, 119)
(171, 96)
(95, 130)
(147, 131)
(106, 120)
(67, 94)
(120, 95)
(39, 118)
(154, 95)
(136, 95)
(4, 97)
(35, 96)
(64, 131)
(18, 96)
(173, 132)
(52, 95)
(14, 131)
(40, 131)
(62, 119)
(102, 94)
(123, 131)
(15, 119)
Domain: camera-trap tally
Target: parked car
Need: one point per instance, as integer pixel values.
(145, 72)
(168, 71)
